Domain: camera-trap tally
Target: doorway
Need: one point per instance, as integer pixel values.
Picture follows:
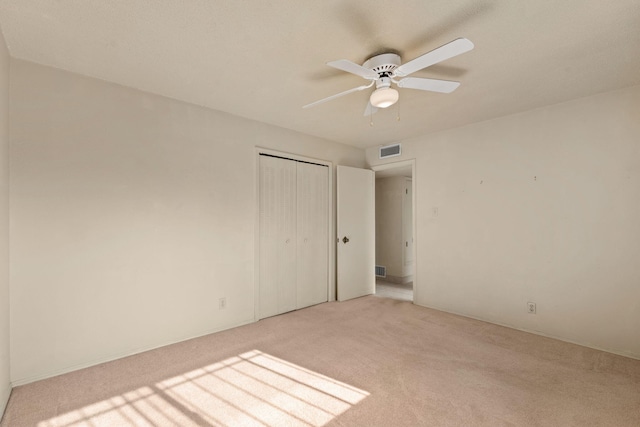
(395, 243)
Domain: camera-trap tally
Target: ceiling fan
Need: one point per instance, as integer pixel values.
(385, 69)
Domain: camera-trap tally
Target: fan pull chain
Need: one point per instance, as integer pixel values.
(398, 111)
(371, 116)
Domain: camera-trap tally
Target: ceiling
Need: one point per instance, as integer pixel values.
(264, 60)
(406, 171)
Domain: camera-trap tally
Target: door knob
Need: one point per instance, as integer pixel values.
(345, 240)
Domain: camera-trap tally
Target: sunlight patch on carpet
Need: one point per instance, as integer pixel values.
(252, 389)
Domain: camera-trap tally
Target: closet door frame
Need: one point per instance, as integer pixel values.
(331, 283)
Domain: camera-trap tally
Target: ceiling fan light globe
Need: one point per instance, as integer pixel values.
(384, 97)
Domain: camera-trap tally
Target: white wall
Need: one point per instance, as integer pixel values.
(542, 206)
(5, 386)
(131, 215)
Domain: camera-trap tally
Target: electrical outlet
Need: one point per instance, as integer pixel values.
(531, 307)
(222, 303)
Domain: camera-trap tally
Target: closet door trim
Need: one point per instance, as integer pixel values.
(331, 285)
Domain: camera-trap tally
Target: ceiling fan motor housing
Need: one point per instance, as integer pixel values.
(384, 65)
(383, 82)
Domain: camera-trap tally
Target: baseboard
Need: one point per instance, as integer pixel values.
(399, 280)
(28, 380)
(630, 355)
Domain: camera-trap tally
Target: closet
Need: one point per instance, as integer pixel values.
(294, 235)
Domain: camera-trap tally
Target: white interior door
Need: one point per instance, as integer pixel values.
(313, 232)
(407, 227)
(356, 232)
(277, 236)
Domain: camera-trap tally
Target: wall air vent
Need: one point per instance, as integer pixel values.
(390, 151)
(381, 271)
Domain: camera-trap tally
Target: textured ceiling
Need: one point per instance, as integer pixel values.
(264, 60)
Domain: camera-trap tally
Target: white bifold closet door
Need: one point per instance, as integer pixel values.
(294, 239)
(313, 234)
(278, 220)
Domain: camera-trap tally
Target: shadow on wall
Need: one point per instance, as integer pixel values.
(253, 388)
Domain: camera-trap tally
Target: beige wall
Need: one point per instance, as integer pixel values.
(131, 215)
(5, 387)
(542, 206)
(389, 239)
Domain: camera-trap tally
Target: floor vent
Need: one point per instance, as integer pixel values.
(390, 151)
(381, 271)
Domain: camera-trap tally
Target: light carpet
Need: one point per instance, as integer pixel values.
(366, 362)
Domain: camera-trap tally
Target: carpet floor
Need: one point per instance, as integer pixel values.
(402, 292)
(366, 362)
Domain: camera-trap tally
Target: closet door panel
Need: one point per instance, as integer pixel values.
(312, 230)
(277, 236)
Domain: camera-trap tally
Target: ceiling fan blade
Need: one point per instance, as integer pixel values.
(433, 85)
(449, 50)
(338, 95)
(370, 110)
(353, 68)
